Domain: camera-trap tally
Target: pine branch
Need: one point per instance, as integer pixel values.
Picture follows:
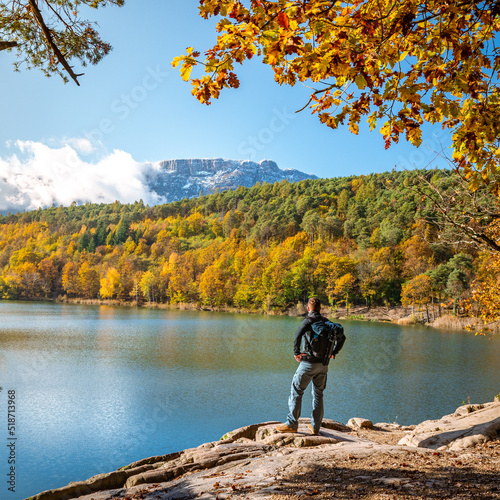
(39, 19)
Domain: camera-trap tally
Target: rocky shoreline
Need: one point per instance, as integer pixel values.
(457, 456)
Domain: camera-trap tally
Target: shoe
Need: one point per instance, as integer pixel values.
(285, 428)
(313, 432)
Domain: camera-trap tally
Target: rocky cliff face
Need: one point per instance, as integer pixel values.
(178, 179)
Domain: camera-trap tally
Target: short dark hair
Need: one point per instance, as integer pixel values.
(314, 304)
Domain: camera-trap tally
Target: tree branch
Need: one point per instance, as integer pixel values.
(39, 19)
(451, 215)
(7, 45)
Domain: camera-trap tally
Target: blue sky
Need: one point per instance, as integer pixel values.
(133, 108)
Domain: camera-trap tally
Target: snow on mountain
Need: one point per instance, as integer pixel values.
(178, 179)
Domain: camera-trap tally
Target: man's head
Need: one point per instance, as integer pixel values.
(314, 304)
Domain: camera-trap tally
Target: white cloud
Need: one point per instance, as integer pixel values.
(37, 175)
(82, 145)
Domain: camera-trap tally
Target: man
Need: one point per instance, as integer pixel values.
(310, 369)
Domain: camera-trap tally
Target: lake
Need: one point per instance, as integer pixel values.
(99, 387)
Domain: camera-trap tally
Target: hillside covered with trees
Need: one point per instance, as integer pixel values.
(372, 240)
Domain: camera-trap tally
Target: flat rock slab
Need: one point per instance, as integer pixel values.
(467, 426)
(241, 446)
(257, 477)
(252, 462)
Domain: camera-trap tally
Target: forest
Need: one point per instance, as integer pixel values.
(371, 240)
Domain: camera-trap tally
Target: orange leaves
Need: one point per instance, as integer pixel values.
(228, 79)
(233, 80)
(419, 59)
(283, 20)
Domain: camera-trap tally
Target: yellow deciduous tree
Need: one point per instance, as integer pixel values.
(178, 277)
(89, 281)
(147, 285)
(418, 256)
(277, 277)
(343, 287)
(111, 284)
(395, 63)
(330, 268)
(70, 281)
(28, 281)
(213, 285)
(49, 274)
(417, 291)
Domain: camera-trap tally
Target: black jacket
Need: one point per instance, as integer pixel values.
(311, 318)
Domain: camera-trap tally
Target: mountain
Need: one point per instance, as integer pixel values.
(178, 179)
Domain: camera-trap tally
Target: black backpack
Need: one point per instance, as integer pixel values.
(325, 339)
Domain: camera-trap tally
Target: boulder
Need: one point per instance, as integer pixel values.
(360, 423)
(467, 426)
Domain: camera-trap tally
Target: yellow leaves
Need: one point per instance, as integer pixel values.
(186, 72)
(434, 116)
(474, 183)
(386, 129)
(417, 291)
(111, 284)
(409, 94)
(270, 35)
(272, 56)
(372, 120)
(414, 135)
(187, 62)
(486, 288)
(454, 109)
(344, 284)
(403, 56)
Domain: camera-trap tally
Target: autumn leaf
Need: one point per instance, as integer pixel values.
(186, 71)
(283, 20)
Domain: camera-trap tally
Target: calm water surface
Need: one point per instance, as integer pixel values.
(100, 387)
